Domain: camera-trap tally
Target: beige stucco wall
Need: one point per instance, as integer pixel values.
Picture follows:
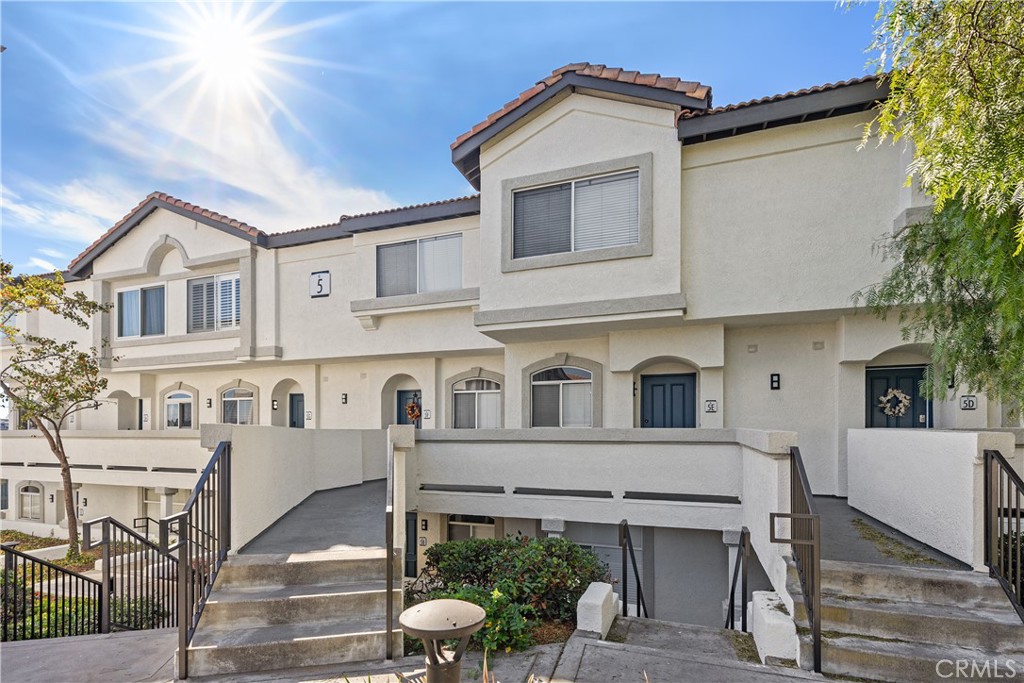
(784, 220)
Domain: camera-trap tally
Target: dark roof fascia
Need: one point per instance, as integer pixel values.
(83, 268)
(797, 109)
(347, 227)
(466, 156)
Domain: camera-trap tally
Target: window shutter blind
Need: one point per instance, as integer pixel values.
(153, 311)
(396, 269)
(128, 314)
(607, 211)
(545, 405)
(576, 405)
(465, 411)
(440, 263)
(228, 309)
(200, 304)
(541, 221)
(488, 414)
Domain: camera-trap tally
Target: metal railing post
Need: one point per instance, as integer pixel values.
(184, 598)
(625, 569)
(106, 580)
(745, 549)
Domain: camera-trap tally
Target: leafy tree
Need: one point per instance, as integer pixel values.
(44, 379)
(956, 79)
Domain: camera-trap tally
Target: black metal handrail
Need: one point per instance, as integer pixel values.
(389, 546)
(1004, 533)
(805, 541)
(139, 577)
(144, 524)
(39, 599)
(739, 571)
(203, 531)
(626, 543)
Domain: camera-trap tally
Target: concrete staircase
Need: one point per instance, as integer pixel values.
(892, 623)
(270, 612)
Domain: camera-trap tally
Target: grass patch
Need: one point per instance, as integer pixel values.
(29, 541)
(743, 644)
(891, 547)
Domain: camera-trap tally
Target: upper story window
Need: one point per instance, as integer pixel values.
(237, 406)
(477, 404)
(178, 410)
(579, 215)
(430, 264)
(140, 312)
(214, 303)
(562, 397)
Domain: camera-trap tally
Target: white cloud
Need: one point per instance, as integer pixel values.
(39, 263)
(53, 253)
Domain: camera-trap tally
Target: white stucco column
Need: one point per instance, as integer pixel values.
(712, 388)
(166, 500)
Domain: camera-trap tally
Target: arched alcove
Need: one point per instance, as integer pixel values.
(667, 390)
(398, 392)
(287, 404)
(127, 407)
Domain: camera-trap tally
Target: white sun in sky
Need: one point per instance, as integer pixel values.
(225, 45)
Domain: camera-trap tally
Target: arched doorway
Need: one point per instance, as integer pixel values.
(128, 412)
(893, 389)
(667, 393)
(401, 402)
(288, 405)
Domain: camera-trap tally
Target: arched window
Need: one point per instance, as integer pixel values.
(237, 406)
(30, 499)
(562, 397)
(178, 410)
(477, 404)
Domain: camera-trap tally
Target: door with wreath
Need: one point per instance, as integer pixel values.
(894, 398)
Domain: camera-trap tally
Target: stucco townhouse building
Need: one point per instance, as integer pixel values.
(645, 286)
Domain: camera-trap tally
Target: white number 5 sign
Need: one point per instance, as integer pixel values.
(320, 284)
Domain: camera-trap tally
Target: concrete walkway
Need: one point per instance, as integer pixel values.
(336, 519)
(126, 657)
(843, 539)
(146, 657)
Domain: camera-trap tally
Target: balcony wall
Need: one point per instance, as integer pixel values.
(116, 458)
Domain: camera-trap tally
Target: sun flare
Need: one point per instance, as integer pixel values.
(226, 49)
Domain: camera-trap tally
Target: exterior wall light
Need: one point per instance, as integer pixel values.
(344, 399)
(273, 404)
(775, 381)
(209, 403)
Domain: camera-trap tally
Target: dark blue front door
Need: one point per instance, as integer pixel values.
(296, 410)
(411, 533)
(894, 398)
(407, 397)
(668, 401)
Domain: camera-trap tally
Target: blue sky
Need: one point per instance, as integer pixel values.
(287, 115)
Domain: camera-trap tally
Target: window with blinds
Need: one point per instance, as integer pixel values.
(584, 214)
(562, 397)
(476, 404)
(431, 264)
(140, 312)
(214, 303)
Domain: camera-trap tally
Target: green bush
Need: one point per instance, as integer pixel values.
(547, 574)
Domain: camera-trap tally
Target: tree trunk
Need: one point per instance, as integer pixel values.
(70, 512)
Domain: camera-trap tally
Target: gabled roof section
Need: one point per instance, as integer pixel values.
(687, 94)
(808, 104)
(81, 266)
(347, 226)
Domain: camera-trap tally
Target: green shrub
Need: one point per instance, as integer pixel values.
(508, 625)
(546, 574)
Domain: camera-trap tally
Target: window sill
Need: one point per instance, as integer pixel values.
(169, 339)
(569, 258)
(368, 310)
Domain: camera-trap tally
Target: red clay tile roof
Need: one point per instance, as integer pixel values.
(691, 88)
(163, 197)
(694, 113)
(345, 217)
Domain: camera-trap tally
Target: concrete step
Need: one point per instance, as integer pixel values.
(227, 649)
(993, 628)
(903, 662)
(912, 584)
(325, 567)
(261, 605)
